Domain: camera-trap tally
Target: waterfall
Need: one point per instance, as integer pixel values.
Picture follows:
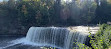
(62, 38)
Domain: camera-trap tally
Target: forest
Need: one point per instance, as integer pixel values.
(17, 16)
(55, 13)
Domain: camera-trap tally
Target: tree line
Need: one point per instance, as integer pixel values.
(55, 12)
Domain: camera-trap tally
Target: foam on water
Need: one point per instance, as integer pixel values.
(24, 41)
(14, 42)
(57, 37)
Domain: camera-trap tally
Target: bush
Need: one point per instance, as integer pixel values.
(101, 40)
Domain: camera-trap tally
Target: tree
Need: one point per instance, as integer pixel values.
(103, 12)
(11, 3)
(57, 8)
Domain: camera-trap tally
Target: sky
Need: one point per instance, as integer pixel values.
(1, 0)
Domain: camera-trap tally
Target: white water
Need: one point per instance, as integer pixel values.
(56, 37)
(61, 38)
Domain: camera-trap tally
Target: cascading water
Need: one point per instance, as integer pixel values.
(62, 38)
(58, 37)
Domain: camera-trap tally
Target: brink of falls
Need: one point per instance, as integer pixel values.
(62, 38)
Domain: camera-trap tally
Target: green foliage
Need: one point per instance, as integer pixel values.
(35, 13)
(81, 46)
(102, 39)
(51, 12)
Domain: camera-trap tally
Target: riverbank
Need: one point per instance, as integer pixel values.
(22, 31)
